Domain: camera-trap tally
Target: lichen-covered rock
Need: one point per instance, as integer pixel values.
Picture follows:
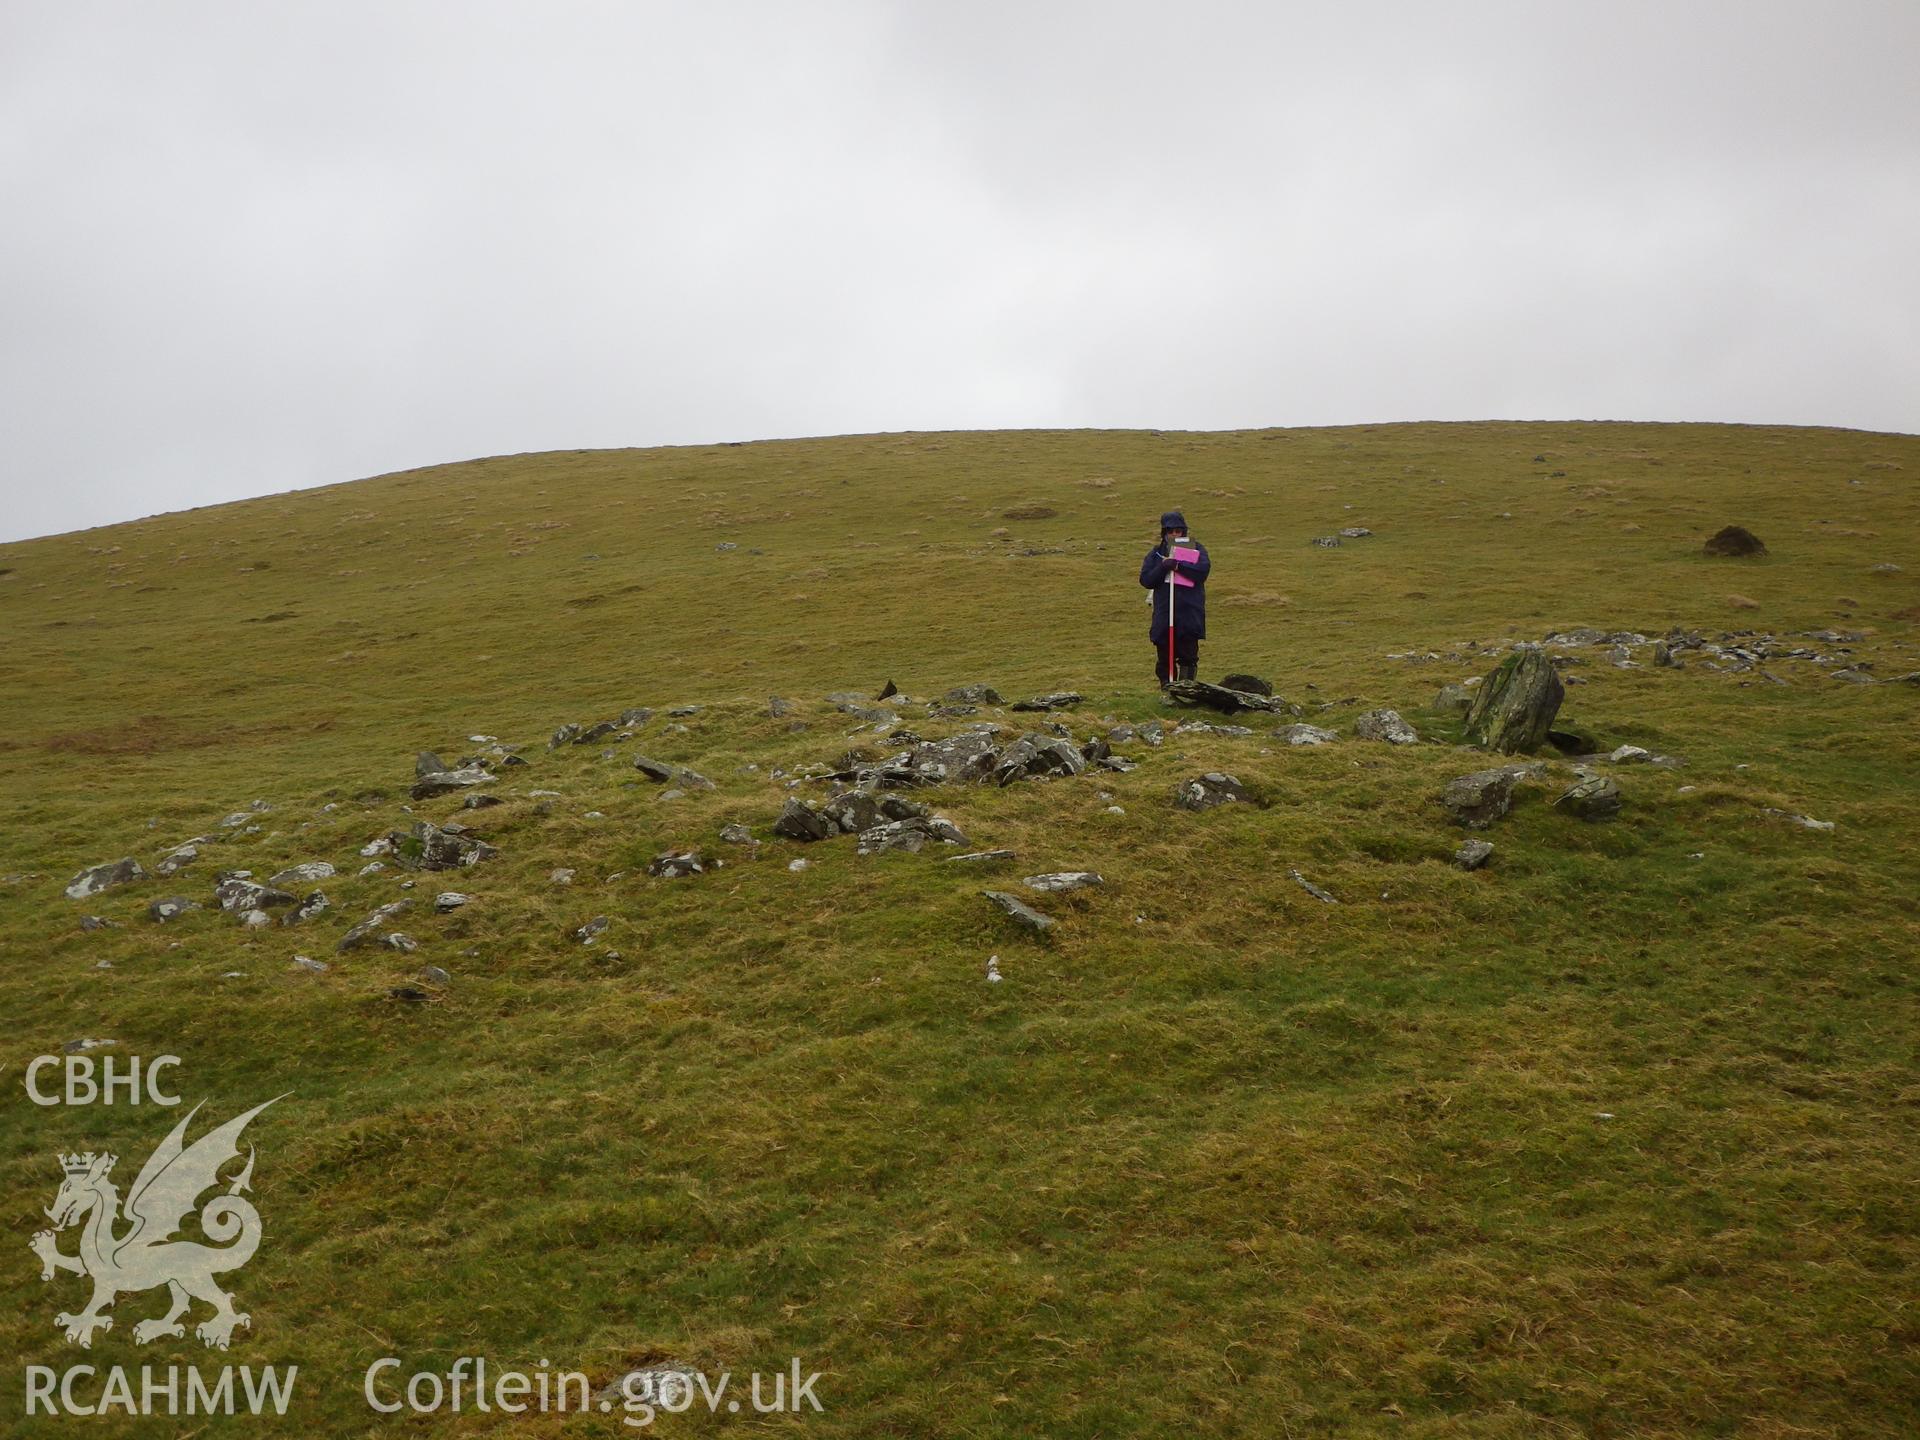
(444, 782)
(1226, 700)
(1385, 725)
(307, 873)
(427, 763)
(435, 847)
(1479, 799)
(239, 898)
(313, 905)
(1061, 881)
(565, 735)
(96, 878)
(1453, 700)
(1595, 798)
(677, 864)
(1472, 854)
(913, 835)
(1302, 734)
(1515, 705)
(1053, 700)
(973, 695)
(1203, 792)
(371, 931)
(171, 908)
(1020, 912)
(448, 901)
(1036, 756)
(181, 856)
(852, 811)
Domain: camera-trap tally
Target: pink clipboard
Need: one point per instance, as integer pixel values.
(1187, 557)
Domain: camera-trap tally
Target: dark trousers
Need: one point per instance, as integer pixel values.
(1186, 652)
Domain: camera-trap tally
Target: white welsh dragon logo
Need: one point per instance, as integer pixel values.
(145, 1256)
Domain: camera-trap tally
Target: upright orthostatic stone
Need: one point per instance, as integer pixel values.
(1515, 705)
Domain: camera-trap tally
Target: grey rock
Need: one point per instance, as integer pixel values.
(632, 716)
(306, 909)
(95, 922)
(438, 847)
(446, 781)
(1203, 792)
(305, 873)
(1063, 880)
(1327, 542)
(427, 763)
(1515, 705)
(800, 821)
(560, 877)
(852, 811)
(597, 731)
(1312, 889)
(978, 857)
(1805, 822)
(1225, 700)
(370, 932)
(481, 802)
(405, 944)
(1053, 700)
(591, 931)
(1472, 854)
(448, 901)
(565, 735)
(1020, 912)
(1384, 725)
(96, 878)
(1479, 799)
(1630, 755)
(434, 975)
(676, 864)
(1246, 684)
(171, 908)
(181, 856)
(911, 835)
(1037, 756)
(1301, 734)
(1453, 700)
(1356, 532)
(973, 695)
(737, 835)
(1594, 798)
(242, 897)
(311, 966)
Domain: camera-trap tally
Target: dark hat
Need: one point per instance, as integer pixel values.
(1173, 520)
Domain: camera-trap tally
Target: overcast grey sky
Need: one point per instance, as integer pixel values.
(249, 247)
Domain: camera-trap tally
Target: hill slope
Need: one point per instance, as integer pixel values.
(1611, 1137)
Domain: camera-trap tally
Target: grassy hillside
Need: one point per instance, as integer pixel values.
(1613, 1137)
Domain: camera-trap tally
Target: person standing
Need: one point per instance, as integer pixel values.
(1188, 600)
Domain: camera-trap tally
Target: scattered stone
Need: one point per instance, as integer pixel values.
(311, 966)
(1203, 792)
(306, 873)
(978, 857)
(438, 847)
(973, 695)
(1664, 657)
(737, 835)
(1886, 567)
(1302, 734)
(1034, 756)
(446, 781)
(1020, 912)
(560, 877)
(171, 908)
(676, 864)
(427, 763)
(1053, 700)
(306, 909)
(1805, 822)
(434, 975)
(243, 898)
(993, 969)
(368, 932)
(481, 802)
(1514, 707)
(1595, 798)
(1453, 700)
(796, 865)
(1312, 889)
(448, 901)
(1384, 725)
(591, 931)
(182, 855)
(1327, 542)
(105, 877)
(1226, 700)
(800, 821)
(95, 922)
(1356, 532)
(1630, 755)
(86, 1046)
(1735, 540)
(912, 835)
(1479, 799)
(1472, 854)
(853, 811)
(565, 735)
(1064, 880)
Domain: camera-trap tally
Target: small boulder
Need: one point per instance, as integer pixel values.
(306, 909)
(800, 821)
(1479, 799)
(1020, 912)
(1302, 734)
(307, 873)
(973, 695)
(676, 864)
(427, 763)
(1203, 792)
(1595, 798)
(444, 782)
(93, 880)
(1453, 700)
(1472, 854)
(171, 908)
(1384, 725)
(1053, 700)
(240, 898)
(912, 835)
(448, 901)
(371, 932)
(1064, 880)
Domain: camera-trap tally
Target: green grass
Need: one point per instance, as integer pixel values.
(1219, 1159)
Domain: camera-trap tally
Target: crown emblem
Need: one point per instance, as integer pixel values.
(76, 1164)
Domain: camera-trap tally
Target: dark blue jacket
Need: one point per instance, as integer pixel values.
(1191, 616)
